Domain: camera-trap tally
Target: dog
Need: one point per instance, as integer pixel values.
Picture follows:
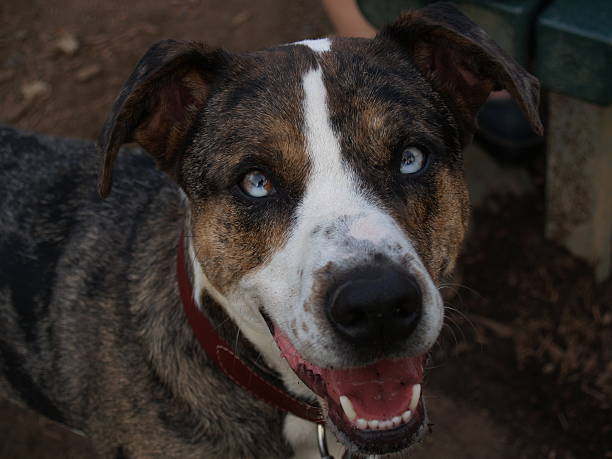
(279, 275)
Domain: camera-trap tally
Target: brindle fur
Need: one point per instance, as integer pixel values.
(92, 332)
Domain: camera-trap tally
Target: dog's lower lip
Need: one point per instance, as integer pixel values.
(385, 441)
(399, 418)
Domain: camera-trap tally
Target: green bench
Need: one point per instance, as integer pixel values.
(574, 64)
(568, 45)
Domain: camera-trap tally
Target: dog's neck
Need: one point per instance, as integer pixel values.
(186, 381)
(214, 306)
(250, 337)
(211, 303)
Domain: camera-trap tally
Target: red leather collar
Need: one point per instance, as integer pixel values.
(221, 354)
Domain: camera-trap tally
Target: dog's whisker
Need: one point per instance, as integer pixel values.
(458, 286)
(462, 315)
(433, 367)
(453, 322)
(236, 340)
(446, 326)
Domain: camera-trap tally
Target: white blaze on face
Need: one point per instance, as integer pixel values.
(331, 189)
(321, 45)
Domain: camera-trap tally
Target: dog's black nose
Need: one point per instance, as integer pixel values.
(375, 305)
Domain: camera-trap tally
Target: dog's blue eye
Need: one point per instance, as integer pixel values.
(257, 185)
(413, 160)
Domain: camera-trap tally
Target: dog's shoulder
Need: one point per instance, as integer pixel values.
(64, 255)
(41, 173)
(47, 181)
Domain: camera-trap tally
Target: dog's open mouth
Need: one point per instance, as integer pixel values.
(378, 407)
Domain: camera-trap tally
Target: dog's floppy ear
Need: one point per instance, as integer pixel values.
(462, 62)
(158, 104)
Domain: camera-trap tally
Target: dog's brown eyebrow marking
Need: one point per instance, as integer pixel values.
(270, 138)
(375, 107)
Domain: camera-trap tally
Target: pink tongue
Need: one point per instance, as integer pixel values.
(379, 391)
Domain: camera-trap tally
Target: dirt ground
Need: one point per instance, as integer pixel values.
(524, 366)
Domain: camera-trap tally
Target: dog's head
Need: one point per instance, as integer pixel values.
(327, 196)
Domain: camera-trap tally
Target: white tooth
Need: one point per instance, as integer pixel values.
(373, 424)
(362, 424)
(406, 415)
(347, 406)
(397, 420)
(384, 425)
(416, 394)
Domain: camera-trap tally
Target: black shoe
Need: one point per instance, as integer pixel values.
(505, 132)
